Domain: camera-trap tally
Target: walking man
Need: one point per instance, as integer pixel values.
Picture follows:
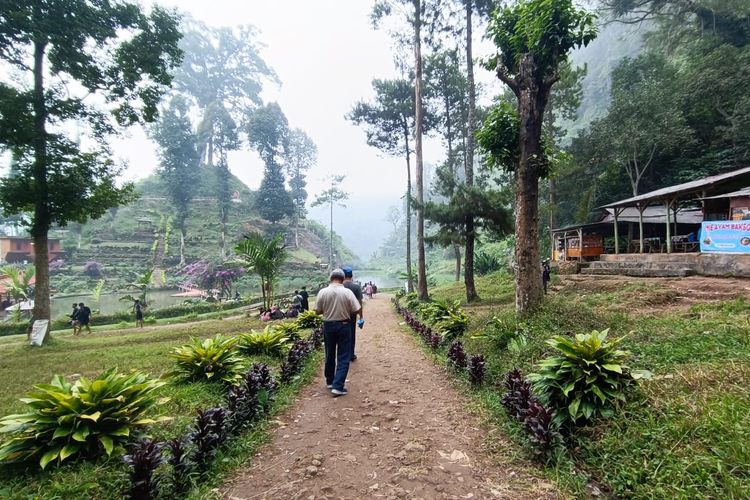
(356, 289)
(74, 318)
(337, 304)
(305, 296)
(84, 318)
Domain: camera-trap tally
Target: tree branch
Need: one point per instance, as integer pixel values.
(505, 77)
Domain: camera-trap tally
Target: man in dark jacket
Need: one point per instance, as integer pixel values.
(305, 296)
(357, 290)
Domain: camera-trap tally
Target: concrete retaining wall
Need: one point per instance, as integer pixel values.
(705, 264)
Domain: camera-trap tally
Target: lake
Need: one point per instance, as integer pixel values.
(111, 303)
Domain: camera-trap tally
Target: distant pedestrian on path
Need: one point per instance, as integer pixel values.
(138, 310)
(337, 304)
(84, 317)
(368, 290)
(545, 275)
(356, 289)
(74, 319)
(305, 298)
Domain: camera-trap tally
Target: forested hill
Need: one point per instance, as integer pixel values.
(665, 101)
(142, 235)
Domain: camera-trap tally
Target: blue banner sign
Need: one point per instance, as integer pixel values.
(725, 237)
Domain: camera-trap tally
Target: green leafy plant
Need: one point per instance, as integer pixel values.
(269, 341)
(213, 358)
(309, 319)
(82, 419)
(486, 262)
(411, 300)
(290, 329)
(446, 316)
(589, 379)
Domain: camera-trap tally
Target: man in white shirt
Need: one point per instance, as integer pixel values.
(337, 304)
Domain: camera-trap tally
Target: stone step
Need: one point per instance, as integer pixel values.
(642, 265)
(640, 272)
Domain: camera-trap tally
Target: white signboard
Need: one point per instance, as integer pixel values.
(38, 331)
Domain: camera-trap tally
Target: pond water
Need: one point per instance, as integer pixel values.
(111, 303)
(380, 278)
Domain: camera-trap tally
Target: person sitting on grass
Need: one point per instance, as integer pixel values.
(277, 313)
(84, 317)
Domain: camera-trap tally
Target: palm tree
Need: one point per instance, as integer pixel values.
(263, 257)
(20, 281)
(142, 284)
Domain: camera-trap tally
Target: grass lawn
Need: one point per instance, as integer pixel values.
(22, 366)
(684, 434)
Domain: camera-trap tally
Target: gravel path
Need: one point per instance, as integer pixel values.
(401, 432)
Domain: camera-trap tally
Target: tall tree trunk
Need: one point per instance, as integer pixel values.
(471, 291)
(532, 97)
(457, 254)
(410, 276)
(421, 263)
(42, 220)
(330, 239)
(552, 203)
(182, 246)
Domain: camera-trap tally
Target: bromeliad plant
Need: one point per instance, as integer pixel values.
(309, 319)
(87, 418)
(270, 341)
(476, 369)
(457, 356)
(181, 467)
(587, 380)
(290, 329)
(213, 358)
(209, 433)
(143, 461)
(294, 360)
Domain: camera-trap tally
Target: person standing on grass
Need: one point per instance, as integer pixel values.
(84, 317)
(337, 304)
(74, 319)
(305, 298)
(138, 310)
(356, 289)
(545, 274)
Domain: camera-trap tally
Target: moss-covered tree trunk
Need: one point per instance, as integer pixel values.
(532, 97)
(471, 290)
(418, 127)
(409, 275)
(41, 225)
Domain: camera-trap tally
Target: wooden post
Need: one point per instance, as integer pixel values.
(640, 226)
(617, 232)
(668, 206)
(580, 244)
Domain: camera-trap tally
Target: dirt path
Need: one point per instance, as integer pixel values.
(401, 432)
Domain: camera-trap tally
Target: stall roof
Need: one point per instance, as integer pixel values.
(655, 214)
(651, 215)
(736, 194)
(687, 188)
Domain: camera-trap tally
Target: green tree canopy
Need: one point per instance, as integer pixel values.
(116, 51)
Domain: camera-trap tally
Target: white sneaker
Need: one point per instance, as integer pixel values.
(329, 386)
(337, 392)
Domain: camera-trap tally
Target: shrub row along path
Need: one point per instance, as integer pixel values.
(403, 431)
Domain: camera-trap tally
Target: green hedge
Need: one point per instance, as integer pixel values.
(13, 328)
(63, 322)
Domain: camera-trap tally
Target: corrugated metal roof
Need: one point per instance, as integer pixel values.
(680, 189)
(651, 215)
(655, 214)
(737, 194)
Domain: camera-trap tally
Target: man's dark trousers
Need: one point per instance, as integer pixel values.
(337, 337)
(353, 323)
